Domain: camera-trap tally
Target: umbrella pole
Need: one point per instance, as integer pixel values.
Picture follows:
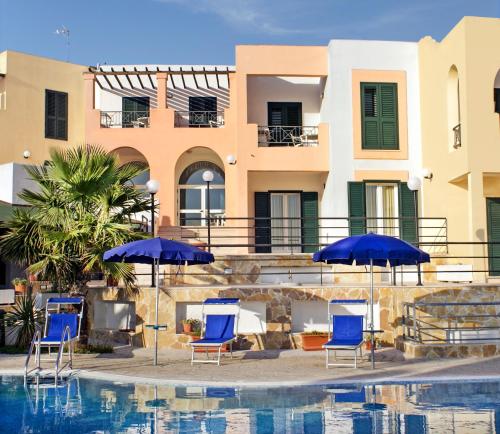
(371, 316)
(155, 358)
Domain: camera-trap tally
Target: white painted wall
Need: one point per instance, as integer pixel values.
(13, 179)
(252, 315)
(262, 90)
(344, 57)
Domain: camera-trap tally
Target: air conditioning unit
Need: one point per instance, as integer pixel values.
(461, 273)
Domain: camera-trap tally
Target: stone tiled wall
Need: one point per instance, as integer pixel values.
(278, 301)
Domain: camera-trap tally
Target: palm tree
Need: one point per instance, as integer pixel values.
(82, 207)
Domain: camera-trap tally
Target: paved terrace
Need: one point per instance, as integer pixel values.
(266, 368)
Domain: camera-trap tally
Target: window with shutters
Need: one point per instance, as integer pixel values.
(56, 115)
(379, 116)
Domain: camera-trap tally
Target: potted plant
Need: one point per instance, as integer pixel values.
(313, 340)
(20, 285)
(368, 343)
(190, 324)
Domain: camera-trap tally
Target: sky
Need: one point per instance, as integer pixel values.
(206, 31)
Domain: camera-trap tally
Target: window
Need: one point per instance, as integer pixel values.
(379, 116)
(56, 115)
(134, 109)
(284, 122)
(202, 110)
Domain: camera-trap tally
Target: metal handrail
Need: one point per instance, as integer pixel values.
(125, 119)
(60, 353)
(190, 119)
(36, 337)
(457, 136)
(287, 135)
(418, 328)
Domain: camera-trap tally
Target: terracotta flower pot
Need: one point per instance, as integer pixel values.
(313, 342)
(187, 327)
(20, 288)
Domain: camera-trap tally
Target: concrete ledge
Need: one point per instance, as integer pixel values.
(414, 350)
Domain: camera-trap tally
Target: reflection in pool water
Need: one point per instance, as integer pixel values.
(81, 405)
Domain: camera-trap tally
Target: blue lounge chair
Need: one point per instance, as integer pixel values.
(347, 335)
(218, 329)
(346, 322)
(61, 330)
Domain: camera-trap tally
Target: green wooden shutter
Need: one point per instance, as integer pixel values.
(56, 115)
(407, 222)
(379, 116)
(310, 227)
(388, 97)
(262, 222)
(50, 114)
(493, 217)
(370, 116)
(62, 115)
(357, 208)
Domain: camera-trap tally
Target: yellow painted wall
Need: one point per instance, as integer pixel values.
(459, 187)
(22, 114)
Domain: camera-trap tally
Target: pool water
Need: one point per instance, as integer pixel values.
(81, 405)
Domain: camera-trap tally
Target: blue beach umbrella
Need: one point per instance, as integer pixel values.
(371, 249)
(158, 251)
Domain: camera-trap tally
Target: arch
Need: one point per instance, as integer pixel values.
(128, 154)
(453, 100)
(192, 195)
(193, 173)
(496, 92)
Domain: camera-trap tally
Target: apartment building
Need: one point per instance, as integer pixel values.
(41, 106)
(460, 106)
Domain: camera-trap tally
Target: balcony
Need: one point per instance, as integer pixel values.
(294, 136)
(124, 119)
(199, 119)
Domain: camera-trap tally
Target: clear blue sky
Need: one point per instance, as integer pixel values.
(205, 31)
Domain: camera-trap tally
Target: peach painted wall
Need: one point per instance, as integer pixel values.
(162, 144)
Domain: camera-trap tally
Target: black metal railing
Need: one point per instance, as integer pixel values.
(199, 119)
(125, 119)
(451, 322)
(457, 136)
(304, 233)
(272, 135)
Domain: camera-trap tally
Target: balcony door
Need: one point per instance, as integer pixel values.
(286, 223)
(193, 195)
(133, 108)
(202, 110)
(284, 121)
(382, 208)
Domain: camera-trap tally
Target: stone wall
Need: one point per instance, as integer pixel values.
(278, 301)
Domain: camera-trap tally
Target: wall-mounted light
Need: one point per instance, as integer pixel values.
(231, 159)
(26, 154)
(427, 174)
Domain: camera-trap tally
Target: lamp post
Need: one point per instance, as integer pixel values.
(208, 177)
(414, 185)
(152, 186)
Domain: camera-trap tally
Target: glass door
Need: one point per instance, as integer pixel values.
(193, 200)
(381, 209)
(286, 234)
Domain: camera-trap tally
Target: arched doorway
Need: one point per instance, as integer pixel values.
(453, 97)
(193, 195)
(127, 155)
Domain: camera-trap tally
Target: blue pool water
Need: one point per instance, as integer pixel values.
(89, 406)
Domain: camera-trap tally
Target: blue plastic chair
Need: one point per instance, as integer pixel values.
(217, 329)
(347, 334)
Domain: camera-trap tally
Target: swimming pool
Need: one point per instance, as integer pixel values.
(82, 405)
